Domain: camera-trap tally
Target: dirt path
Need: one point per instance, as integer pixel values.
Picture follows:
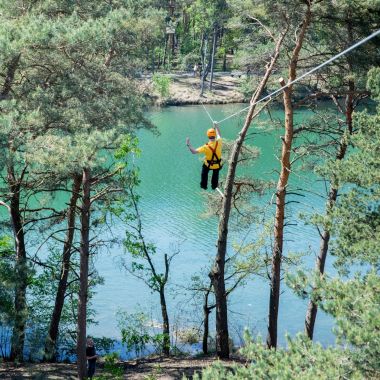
(155, 368)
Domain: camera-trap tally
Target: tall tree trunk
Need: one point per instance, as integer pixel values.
(51, 339)
(153, 60)
(282, 183)
(165, 51)
(204, 70)
(172, 35)
(213, 57)
(201, 52)
(7, 86)
(83, 287)
(279, 220)
(18, 334)
(312, 308)
(165, 324)
(171, 45)
(217, 272)
(206, 315)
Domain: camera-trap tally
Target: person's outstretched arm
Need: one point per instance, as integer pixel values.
(192, 150)
(218, 135)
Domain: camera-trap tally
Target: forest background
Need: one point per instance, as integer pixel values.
(73, 96)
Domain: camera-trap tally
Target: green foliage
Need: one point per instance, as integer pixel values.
(111, 368)
(138, 333)
(159, 341)
(142, 252)
(127, 146)
(353, 297)
(157, 371)
(104, 344)
(134, 331)
(373, 82)
(6, 279)
(75, 102)
(42, 291)
(355, 304)
(301, 360)
(189, 60)
(206, 14)
(189, 335)
(246, 86)
(74, 99)
(355, 301)
(7, 283)
(201, 19)
(161, 83)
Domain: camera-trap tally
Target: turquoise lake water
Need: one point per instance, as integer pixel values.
(173, 207)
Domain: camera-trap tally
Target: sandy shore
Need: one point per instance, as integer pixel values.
(185, 89)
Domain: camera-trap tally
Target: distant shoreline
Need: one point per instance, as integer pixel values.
(184, 89)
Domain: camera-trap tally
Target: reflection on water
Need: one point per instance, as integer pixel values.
(172, 206)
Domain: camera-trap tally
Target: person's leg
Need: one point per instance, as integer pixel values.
(215, 179)
(204, 176)
(91, 369)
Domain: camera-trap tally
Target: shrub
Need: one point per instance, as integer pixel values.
(161, 83)
(104, 345)
(301, 360)
(189, 60)
(134, 331)
(158, 342)
(189, 336)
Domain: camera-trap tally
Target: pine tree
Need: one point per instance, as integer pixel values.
(77, 103)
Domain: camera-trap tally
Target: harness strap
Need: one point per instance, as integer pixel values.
(214, 155)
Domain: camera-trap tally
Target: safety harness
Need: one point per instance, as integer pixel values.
(214, 159)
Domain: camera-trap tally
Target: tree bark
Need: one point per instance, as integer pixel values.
(12, 67)
(51, 339)
(165, 323)
(279, 221)
(206, 314)
(213, 57)
(171, 36)
(217, 272)
(204, 70)
(165, 50)
(83, 287)
(312, 309)
(18, 334)
(274, 296)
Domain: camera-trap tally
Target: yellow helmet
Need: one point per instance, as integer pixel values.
(211, 132)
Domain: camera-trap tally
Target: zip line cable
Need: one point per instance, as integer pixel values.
(213, 121)
(208, 114)
(276, 92)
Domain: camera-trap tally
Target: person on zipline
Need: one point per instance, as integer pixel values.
(213, 156)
